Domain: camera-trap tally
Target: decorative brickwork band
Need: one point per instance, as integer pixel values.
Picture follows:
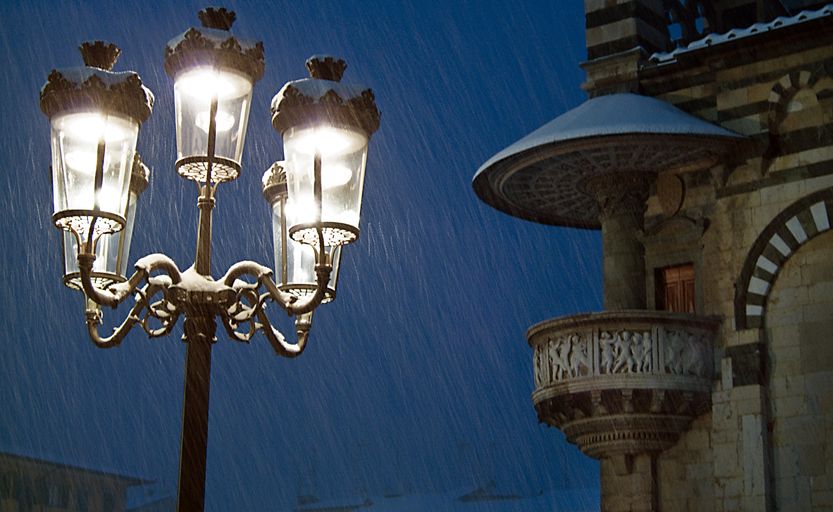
(788, 231)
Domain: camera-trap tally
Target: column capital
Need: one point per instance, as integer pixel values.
(621, 193)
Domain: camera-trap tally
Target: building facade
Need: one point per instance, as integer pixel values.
(705, 157)
(29, 484)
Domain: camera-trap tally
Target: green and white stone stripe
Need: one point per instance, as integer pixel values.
(788, 231)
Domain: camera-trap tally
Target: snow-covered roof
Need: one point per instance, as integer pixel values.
(56, 463)
(214, 45)
(324, 97)
(614, 114)
(543, 176)
(740, 33)
(88, 86)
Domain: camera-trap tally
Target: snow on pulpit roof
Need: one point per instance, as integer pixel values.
(614, 114)
(542, 176)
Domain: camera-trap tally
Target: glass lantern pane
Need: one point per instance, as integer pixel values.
(75, 142)
(193, 93)
(125, 236)
(343, 157)
(112, 252)
(295, 272)
(336, 257)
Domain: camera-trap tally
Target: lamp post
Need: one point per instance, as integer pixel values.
(315, 196)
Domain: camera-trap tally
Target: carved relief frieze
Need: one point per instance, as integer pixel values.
(686, 353)
(623, 381)
(625, 351)
(563, 357)
(621, 351)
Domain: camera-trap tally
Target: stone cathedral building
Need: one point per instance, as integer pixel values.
(705, 157)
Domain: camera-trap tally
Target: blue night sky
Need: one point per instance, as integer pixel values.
(418, 378)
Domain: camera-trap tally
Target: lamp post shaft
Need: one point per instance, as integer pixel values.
(205, 203)
(199, 336)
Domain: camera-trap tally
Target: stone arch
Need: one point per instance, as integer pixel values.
(789, 230)
(784, 90)
(803, 86)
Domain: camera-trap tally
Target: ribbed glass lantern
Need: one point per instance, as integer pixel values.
(325, 125)
(112, 250)
(95, 114)
(294, 261)
(213, 74)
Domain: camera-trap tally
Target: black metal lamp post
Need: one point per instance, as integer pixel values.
(315, 196)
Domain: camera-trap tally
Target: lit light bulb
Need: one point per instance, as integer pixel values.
(303, 212)
(84, 162)
(91, 128)
(108, 199)
(206, 83)
(327, 141)
(333, 176)
(223, 120)
(300, 212)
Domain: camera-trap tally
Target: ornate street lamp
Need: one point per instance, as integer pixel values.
(294, 261)
(95, 115)
(112, 250)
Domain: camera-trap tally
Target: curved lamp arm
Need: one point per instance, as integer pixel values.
(303, 323)
(238, 315)
(243, 311)
(116, 294)
(94, 319)
(288, 302)
(162, 311)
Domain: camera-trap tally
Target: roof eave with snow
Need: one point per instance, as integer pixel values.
(541, 176)
(714, 40)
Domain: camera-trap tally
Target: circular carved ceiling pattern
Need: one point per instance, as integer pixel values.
(548, 184)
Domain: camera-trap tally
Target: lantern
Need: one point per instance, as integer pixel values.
(213, 74)
(95, 114)
(112, 250)
(294, 261)
(325, 125)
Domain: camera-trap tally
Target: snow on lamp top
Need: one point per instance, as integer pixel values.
(213, 45)
(96, 86)
(323, 99)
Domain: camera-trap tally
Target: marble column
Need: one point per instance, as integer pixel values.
(621, 198)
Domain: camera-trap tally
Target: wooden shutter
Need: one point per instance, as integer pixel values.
(675, 288)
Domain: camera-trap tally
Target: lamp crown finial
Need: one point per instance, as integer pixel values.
(325, 67)
(217, 17)
(99, 54)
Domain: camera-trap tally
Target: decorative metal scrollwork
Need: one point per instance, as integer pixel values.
(241, 306)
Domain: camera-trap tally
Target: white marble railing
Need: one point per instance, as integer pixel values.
(623, 382)
(622, 344)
